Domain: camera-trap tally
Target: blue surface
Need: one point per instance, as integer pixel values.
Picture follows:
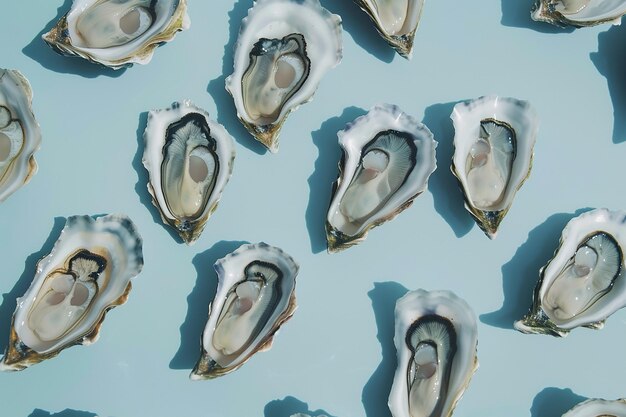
(336, 354)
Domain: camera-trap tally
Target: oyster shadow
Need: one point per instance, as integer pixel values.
(361, 28)
(521, 273)
(376, 391)
(289, 406)
(325, 172)
(226, 110)
(39, 51)
(447, 196)
(516, 13)
(65, 413)
(198, 304)
(9, 300)
(610, 61)
(554, 402)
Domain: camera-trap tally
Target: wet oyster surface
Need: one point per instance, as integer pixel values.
(597, 407)
(578, 13)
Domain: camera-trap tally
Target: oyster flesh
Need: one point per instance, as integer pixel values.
(598, 408)
(20, 136)
(388, 157)
(87, 273)
(117, 33)
(493, 153)
(190, 159)
(283, 50)
(255, 296)
(436, 342)
(579, 13)
(584, 282)
(395, 20)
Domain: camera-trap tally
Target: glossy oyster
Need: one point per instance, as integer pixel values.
(395, 20)
(284, 49)
(190, 159)
(255, 296)
(598, 408)
(20, 136)
(436, 342)
(388, 157)
(584, 282)
(117, 33)
(493, 141)
(579, 13)
(87, 273)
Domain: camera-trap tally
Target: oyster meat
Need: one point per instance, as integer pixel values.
(584, 282)
(388, 157)
(598, 408)
(117, 33)
(190, 159)
(283, 50)
(87, 273)
(436, 342)
(20, 136)
(255, 296)
(493, 152)
(579, 13)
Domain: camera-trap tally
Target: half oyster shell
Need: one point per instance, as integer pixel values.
(579, 13)
(20, 135)
(436, 341)
(284, 49)
(598, 408)
(117, 33)
(190, 159)
(493, 153)
(388, 157)
(255, 296)
(87, 273)
(584, 282)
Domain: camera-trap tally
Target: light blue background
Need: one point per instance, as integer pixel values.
(337, 353)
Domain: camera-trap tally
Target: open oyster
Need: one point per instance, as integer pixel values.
(493, 141)
(584, 282)
(117, 33)
(255, 296)
(436, 341)
(190, 159)
(87, 273)
(20, 136)
(283, 50)
(579, 13)
(387, 159)
(395, 20)
(598, 408)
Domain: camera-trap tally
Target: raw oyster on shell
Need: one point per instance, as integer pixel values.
(87, 273)
(255, 296)
(584, 282)
(283, 50)
(598, 408)
(190, 159)
(117, 33)
(388, 157)
(579, 13)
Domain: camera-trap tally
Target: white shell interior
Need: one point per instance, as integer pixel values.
(593, 10)
(598, 407)
(396, 17)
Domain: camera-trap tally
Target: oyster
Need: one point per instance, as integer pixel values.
(117, 33)
(255, 296)
(387, 159)
(493, 141)
(87, 273)
(190, 159)
(20, 136)
(584, 282)
(395, 20)
(436, 341)
(598, 408)
(579, 13)
(283, 50)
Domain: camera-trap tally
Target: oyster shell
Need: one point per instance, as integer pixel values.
(20, 135)
(436, 342)
(584, 282)
(388, 157)
(395, 20)
(117, 33)
(283, 50)
(598, 408)
(190, 159)
(255, 296)
(87, 273)
(578, 13)
(493, 153)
